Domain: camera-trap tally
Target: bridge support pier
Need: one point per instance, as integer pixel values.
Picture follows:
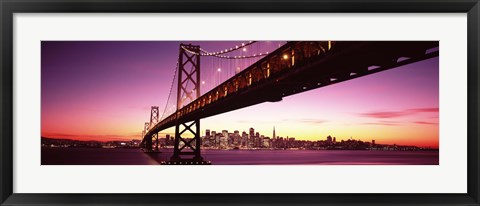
(155, 137)
(186, 151)
(148, 145)
(191, 144)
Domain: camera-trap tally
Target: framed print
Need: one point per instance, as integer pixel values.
(248, 103)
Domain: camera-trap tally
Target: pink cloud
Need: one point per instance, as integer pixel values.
(428, 123)
(402, 113)
(384, 123)
(313, 121)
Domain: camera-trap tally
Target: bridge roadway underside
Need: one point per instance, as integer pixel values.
(347, 60)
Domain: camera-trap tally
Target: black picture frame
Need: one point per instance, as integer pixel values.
(9, 7)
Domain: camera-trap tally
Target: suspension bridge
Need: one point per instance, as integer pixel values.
(208, 83)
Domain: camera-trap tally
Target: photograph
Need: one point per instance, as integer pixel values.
(239, 102)
(161, 102)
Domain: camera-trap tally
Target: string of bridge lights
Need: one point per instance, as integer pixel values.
(207, 53)
(237, 47)
(219, 53)
(170, 92)
(242, 57)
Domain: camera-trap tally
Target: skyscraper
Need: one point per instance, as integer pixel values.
(207, 133)
(214, 138)
(244, 139)
(273, 137)
(251, 138)
(236, 138)
(225, 135)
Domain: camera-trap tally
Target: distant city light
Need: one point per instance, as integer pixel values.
(285, 56)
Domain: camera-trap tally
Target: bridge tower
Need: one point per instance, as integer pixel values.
(187, 150)
(148, 141)
(154, 118)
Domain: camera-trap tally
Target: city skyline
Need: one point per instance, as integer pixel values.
(107, 86)
(275, 134)
(207, 132)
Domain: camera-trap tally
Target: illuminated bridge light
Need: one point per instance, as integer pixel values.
(244, 49)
